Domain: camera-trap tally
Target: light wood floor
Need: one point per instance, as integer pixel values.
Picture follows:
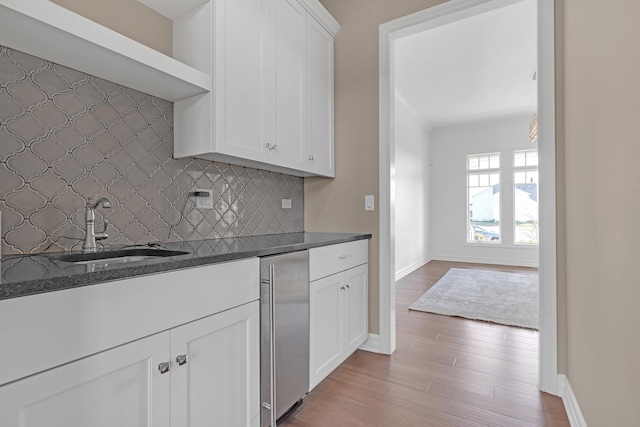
(446, 371)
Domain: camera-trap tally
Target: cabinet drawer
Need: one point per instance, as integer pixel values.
(332, 259)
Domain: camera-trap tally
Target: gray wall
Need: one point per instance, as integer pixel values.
(66, 136)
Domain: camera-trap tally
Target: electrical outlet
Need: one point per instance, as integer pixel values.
(286, 203)
(204, 202)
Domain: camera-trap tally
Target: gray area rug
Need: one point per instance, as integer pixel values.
(493, 296)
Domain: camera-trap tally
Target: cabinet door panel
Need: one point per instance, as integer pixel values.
(288, 23)
(118, 387)
(240, 77)
(325, 309)
(219, 384)
(320, 91)
(356, 307)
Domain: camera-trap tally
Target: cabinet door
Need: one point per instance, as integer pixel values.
(118, 387)
(287, 116)
(356, 307)
(219, 383)
(320, 92)
(326, 324)
(240, 77)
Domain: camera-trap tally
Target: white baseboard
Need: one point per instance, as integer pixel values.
(570, 403)
(481, 260)
(411, 268)
(372, 344)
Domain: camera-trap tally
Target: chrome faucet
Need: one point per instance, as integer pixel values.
(90, 235)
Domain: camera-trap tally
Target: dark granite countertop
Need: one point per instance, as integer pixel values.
(34, 274)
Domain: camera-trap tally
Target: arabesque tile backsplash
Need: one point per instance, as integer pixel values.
(66, 136)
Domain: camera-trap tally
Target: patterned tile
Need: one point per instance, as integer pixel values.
(66, 136)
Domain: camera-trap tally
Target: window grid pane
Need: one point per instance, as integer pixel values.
(483, 161)
(528, 158)
(494, 161)
(473, 163)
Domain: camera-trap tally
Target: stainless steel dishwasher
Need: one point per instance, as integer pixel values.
(284, 334)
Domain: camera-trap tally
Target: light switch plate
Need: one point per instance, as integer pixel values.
(204, 202)
(369, 203)
(286, 203)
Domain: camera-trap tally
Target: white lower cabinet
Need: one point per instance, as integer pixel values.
(212, 379)
(118, 387)
(219, 381)
(338, 319)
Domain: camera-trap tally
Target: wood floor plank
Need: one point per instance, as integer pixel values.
(446, 372)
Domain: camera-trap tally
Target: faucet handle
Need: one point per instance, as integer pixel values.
(103, 235)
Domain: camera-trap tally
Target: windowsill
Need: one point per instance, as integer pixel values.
(501, 245)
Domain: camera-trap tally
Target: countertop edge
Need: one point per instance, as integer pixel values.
(59, 283)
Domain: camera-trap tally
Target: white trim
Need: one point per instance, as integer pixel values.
(429, 18)
(372, 344)
(320, 14)
(488, 260)
(576, 419)
(548, 376)
(411, 268)
(387, 287)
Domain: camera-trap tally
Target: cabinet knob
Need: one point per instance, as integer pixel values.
(181, 359)
(310, 157)
(164, 367)
(347, 256)
(342, 288)
(348, 285)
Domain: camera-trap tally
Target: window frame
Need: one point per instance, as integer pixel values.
(524, 169)
(497, 170)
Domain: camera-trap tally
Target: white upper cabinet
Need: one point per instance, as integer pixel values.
(251, 80)
(287, 113)
(272, 100)
(320, 100)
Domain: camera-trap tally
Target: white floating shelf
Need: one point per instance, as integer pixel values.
(51, 32)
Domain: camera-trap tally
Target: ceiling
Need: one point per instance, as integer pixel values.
(474, 69)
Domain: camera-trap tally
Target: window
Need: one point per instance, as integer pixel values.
(525, 197)
(483, 198)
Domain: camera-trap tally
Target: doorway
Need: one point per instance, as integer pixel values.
(436, 17)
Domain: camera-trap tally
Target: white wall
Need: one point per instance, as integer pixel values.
(412, 190)
(449, 147)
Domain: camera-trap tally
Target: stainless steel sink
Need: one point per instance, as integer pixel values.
(117, 256)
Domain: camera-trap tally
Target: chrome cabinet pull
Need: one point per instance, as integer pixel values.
(181, 359)
(345, 256)
(164, 367)
(270, 147)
